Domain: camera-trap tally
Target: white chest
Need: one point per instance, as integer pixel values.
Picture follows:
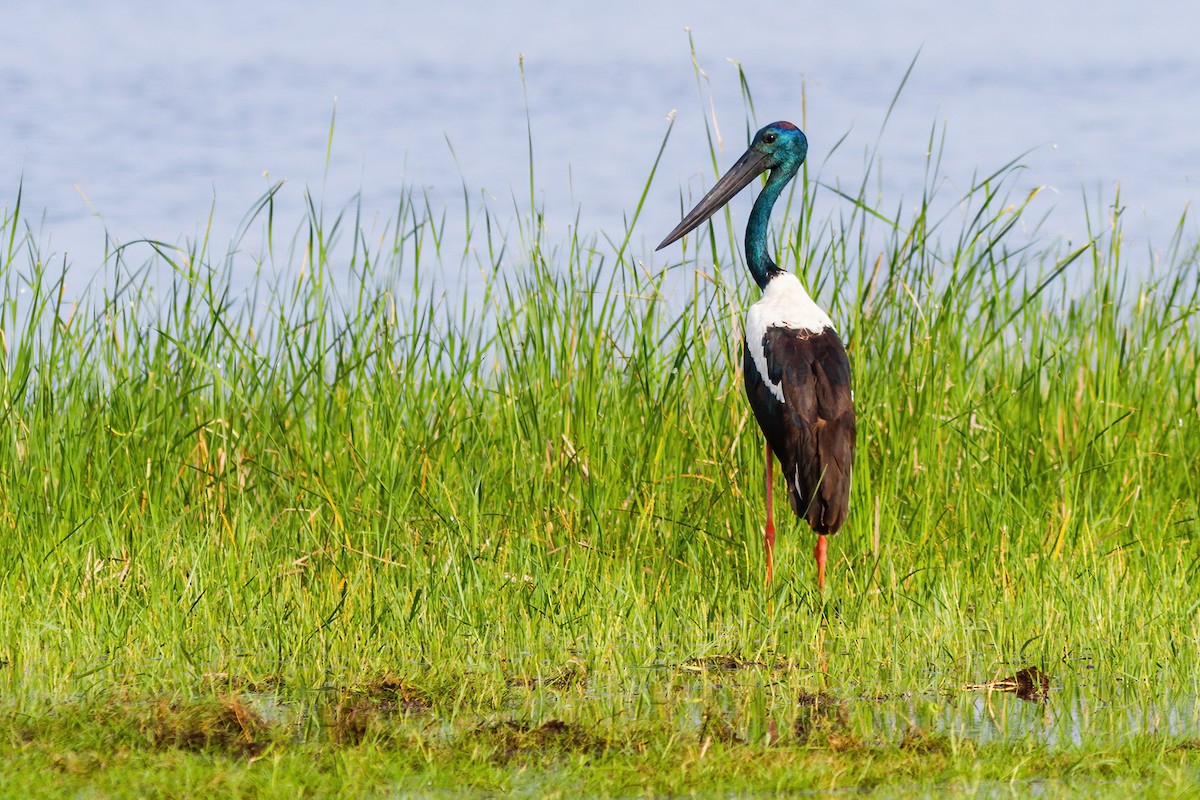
(784, 304)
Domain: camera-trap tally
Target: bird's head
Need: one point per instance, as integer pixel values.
(780, 147)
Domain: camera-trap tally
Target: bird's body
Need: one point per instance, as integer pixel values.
(798, 382)
(796, 370)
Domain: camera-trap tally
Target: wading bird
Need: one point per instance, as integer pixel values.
(796, 369)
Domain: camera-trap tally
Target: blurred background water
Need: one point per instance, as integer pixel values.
(138, 118)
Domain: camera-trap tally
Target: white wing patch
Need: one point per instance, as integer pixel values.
(784, 304)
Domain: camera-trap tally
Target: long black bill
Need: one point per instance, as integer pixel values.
(748, 167)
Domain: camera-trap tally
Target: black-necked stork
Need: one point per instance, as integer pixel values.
(796, 369)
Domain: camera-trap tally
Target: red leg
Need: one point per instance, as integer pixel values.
(769, 533)
(819, 552)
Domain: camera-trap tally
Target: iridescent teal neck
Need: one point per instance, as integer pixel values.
(757, 259)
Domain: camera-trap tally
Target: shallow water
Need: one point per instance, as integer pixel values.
(1068, 716)
(143, 118)
(750, 708)
(985, 718)
(754, 703)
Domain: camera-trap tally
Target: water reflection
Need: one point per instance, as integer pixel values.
(755, 707)
(1069, 715)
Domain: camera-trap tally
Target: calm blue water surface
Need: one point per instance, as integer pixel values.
(140, 118)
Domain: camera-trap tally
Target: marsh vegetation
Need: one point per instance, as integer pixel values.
(329, 529)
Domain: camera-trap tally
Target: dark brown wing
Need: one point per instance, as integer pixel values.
(812, 430)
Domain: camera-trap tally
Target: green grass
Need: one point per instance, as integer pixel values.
(331, 529)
